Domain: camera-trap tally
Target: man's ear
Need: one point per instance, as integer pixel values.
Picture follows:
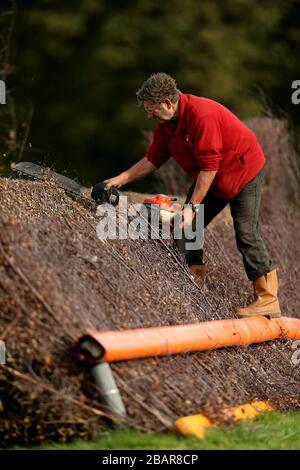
(168, 103)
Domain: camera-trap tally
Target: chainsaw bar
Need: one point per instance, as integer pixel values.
(99, 194)
(39, 172)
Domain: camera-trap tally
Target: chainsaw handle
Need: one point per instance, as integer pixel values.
(102, 195)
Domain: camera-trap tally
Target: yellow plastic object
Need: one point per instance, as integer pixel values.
(247, 411)
(195, 425)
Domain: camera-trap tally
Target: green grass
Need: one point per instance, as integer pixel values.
(268, 431)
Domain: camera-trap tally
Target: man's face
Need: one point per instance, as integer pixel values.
(162, 112)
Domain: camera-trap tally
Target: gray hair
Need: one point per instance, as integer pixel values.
(157, 88)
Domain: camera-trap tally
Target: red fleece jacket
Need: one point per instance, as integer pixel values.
(209, 137)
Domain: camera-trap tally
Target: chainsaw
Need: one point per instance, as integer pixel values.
(165, 205)
(39, 172)
(158, 203)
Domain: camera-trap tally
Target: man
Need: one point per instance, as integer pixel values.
(225, 160)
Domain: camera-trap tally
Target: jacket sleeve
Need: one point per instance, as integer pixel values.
(208, 142)
(158, 151)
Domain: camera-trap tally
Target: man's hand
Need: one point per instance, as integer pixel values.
(187, 215)
(140, 169)
(117, 181)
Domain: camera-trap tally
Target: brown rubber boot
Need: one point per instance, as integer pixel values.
(198, 271)
(266, 301)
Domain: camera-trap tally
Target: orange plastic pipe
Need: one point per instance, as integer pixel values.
(112, 346)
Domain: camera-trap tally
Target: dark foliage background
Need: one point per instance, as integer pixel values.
(77, 66)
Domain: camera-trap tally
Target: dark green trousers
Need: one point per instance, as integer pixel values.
(245, 213)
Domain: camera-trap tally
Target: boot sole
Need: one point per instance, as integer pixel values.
(268, 315)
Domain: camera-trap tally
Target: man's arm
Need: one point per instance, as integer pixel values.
(158, 153)
(203, 183)
(139, 170)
